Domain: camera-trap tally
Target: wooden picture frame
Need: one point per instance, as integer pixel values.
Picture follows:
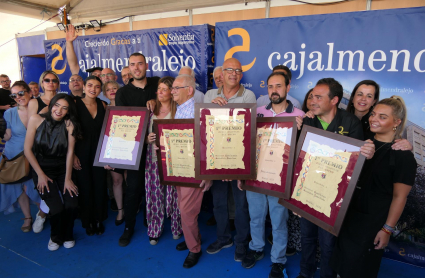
(345, 188)
(282, 190)
(202, 110)
(179, 124)
(135, 154)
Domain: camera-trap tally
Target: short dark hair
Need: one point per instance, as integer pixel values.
(286, 69)
(350, 106)
(281, 74)
(335, 88)
(137, 54)
(92, 77)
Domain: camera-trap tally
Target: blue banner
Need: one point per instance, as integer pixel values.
(387, 46)
(166, 51)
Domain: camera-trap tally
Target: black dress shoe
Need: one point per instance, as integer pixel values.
(100, 229)
(192, 259)
(126, 237)
(90, 231)
(181, 246)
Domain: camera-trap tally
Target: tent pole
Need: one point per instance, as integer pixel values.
(368, 5)
(267, 8)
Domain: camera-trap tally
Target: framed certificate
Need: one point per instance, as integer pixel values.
(326, 170)
(176, 153)
(274, 156)
(225, 141)
(122, 137)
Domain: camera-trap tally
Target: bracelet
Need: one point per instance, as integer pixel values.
(389, 228)
(385, 231)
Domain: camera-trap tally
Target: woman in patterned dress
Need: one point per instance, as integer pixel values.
(159, 198)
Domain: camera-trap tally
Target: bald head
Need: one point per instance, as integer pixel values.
(108, 75)
(232, 73)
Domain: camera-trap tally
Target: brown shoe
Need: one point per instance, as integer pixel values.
(28, 228)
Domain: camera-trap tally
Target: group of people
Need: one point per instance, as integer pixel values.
(59, 134)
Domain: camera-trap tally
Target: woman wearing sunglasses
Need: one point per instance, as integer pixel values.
(23, 190)
(49, 84)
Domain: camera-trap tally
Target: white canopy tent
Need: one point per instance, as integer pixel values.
(85, 10)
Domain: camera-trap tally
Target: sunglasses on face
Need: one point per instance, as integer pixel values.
(47, 80)
(20, 94)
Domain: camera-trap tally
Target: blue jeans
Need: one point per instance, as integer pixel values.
(309, 234)
(278, 215)
(219, 191)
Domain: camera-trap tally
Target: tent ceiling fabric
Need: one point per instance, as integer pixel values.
(85, 10)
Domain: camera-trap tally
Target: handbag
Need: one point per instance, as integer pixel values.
(14, 169)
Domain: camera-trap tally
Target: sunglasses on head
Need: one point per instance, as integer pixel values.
(21, 94)
(47, 80)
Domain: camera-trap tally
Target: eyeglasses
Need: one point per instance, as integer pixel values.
(5, 81)
(108, 75)
(75, 80)
(178, 88)
(20, 94)
(47, 80)
(230, 71)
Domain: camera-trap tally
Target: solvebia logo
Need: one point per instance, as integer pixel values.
(163, 39)
(246, 44)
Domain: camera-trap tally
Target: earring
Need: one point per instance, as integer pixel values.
(394, 128)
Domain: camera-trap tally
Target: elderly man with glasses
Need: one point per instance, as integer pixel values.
(76, 83)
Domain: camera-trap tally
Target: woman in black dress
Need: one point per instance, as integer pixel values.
(91, 180)
(49, 148)
(379, 198)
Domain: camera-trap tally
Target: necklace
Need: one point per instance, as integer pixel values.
(163, 112)
(374, 139)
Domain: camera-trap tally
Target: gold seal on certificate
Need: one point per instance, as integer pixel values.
(122, 137)
(225, 135)
(269, 153)
(180, 160)
(321, 173)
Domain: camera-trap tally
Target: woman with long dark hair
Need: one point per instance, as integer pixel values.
(362, 100)
(90, 179)
(379, 197)
(23, 190)
(160, 200)
(49, 148)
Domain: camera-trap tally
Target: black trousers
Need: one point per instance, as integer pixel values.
(135, 192)
(63, 209)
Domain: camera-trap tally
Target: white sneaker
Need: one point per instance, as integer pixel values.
(177, 236)
(37, 226)
(69, 244)
(52, 246)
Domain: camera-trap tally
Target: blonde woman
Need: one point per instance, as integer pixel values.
(379, 198)
(49, 82)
